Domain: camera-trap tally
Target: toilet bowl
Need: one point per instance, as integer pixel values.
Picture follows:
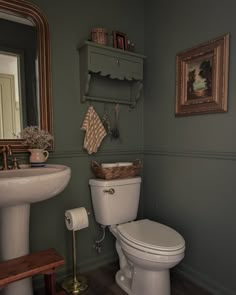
(146, 249)
(150, 249)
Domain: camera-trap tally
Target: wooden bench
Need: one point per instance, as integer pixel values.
(43, 262)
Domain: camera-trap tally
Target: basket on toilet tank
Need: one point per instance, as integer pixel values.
(116, 170)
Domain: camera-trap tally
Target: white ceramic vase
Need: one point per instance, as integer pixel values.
(38, 156)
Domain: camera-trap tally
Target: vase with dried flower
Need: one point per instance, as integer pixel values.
(37, 140)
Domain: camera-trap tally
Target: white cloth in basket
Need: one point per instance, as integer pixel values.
(94, 131)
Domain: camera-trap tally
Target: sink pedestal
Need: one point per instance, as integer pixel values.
(18, 189)
(14, 242)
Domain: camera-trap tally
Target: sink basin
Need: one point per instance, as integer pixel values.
(30, 185)
(18, 189)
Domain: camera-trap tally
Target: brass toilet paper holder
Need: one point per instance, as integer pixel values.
(75, 284)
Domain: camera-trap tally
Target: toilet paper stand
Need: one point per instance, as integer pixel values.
(77, 284)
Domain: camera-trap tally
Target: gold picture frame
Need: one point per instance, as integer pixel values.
(202, 78)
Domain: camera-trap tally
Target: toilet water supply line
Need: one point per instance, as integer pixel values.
(97, 245)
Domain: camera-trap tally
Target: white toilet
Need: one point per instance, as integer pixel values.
(146, 249)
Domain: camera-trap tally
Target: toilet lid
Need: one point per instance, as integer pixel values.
(151, 235)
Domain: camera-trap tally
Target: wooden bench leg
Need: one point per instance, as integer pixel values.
(50, 284)
(44, 262)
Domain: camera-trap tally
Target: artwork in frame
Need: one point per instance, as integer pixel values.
(202, 78)
(119, 40)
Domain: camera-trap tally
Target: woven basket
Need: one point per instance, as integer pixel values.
(116, 172)
(99, 36)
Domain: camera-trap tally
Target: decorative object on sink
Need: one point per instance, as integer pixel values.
(116, 170)
(37, 140)
(94, 131)
(38, 157)
(99, 36)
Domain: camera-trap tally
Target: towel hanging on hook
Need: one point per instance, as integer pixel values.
(94, 131)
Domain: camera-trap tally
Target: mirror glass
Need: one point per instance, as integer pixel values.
(25, 84)
(11, 116)
(19, 102)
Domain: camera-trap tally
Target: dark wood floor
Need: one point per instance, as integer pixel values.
(102, 282)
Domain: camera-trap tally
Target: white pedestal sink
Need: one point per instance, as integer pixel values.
(18, 189)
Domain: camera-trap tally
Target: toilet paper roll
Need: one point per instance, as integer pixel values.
(76, 218)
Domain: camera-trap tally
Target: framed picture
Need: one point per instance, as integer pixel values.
(202, 78)
(119, 40)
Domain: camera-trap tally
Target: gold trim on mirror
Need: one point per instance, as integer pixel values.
(31, 12)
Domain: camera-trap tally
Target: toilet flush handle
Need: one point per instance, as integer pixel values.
(110, 191)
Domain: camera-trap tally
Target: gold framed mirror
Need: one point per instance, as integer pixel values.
(21, 11)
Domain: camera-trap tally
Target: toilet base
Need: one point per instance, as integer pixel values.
(123, 282)
(145, 282)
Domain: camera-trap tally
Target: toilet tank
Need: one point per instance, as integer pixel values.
(115, 201)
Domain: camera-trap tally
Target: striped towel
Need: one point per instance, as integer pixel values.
(94, 131)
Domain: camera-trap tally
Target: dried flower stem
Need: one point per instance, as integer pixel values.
(36, 138)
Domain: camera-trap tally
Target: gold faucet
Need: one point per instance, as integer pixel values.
(6, 151)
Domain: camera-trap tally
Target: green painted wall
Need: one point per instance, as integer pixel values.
(70, 24)
(190, 161)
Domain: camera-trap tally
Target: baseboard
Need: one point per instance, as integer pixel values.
(202, 281)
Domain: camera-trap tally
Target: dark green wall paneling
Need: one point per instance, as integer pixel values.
(190, 161)
(170, 28)
(70, 23)
(193, 195)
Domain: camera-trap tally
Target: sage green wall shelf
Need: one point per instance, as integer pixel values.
(111, 64)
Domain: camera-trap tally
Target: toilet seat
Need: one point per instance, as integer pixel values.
(151, 237)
